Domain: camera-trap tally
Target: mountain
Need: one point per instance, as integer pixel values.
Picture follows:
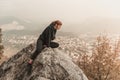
(97, 25)
(51, 64)
(28, 24)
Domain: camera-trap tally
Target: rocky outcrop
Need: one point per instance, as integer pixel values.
(51, 64)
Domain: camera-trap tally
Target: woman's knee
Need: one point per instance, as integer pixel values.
(57, 45)
(54, 45)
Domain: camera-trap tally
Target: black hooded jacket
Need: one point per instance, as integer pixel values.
(48, 35)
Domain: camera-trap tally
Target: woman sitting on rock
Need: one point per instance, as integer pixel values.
(45, 39)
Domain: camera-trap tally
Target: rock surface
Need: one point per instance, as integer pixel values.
(51, 64)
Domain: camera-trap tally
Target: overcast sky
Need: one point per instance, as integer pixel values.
(68, 11)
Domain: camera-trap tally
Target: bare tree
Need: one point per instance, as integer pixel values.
(104, 63)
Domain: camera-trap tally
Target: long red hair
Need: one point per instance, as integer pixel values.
(57, 22)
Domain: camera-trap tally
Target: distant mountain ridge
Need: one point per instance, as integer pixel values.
(29, 25)
(100, 25)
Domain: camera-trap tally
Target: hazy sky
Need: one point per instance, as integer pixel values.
(69, 11)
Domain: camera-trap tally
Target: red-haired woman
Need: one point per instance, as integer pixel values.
(45, 39)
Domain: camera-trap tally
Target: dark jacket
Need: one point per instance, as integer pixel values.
(48, 34)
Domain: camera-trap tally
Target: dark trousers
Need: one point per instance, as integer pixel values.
(40, 47)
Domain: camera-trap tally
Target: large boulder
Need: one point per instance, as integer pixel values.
(51, 64)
